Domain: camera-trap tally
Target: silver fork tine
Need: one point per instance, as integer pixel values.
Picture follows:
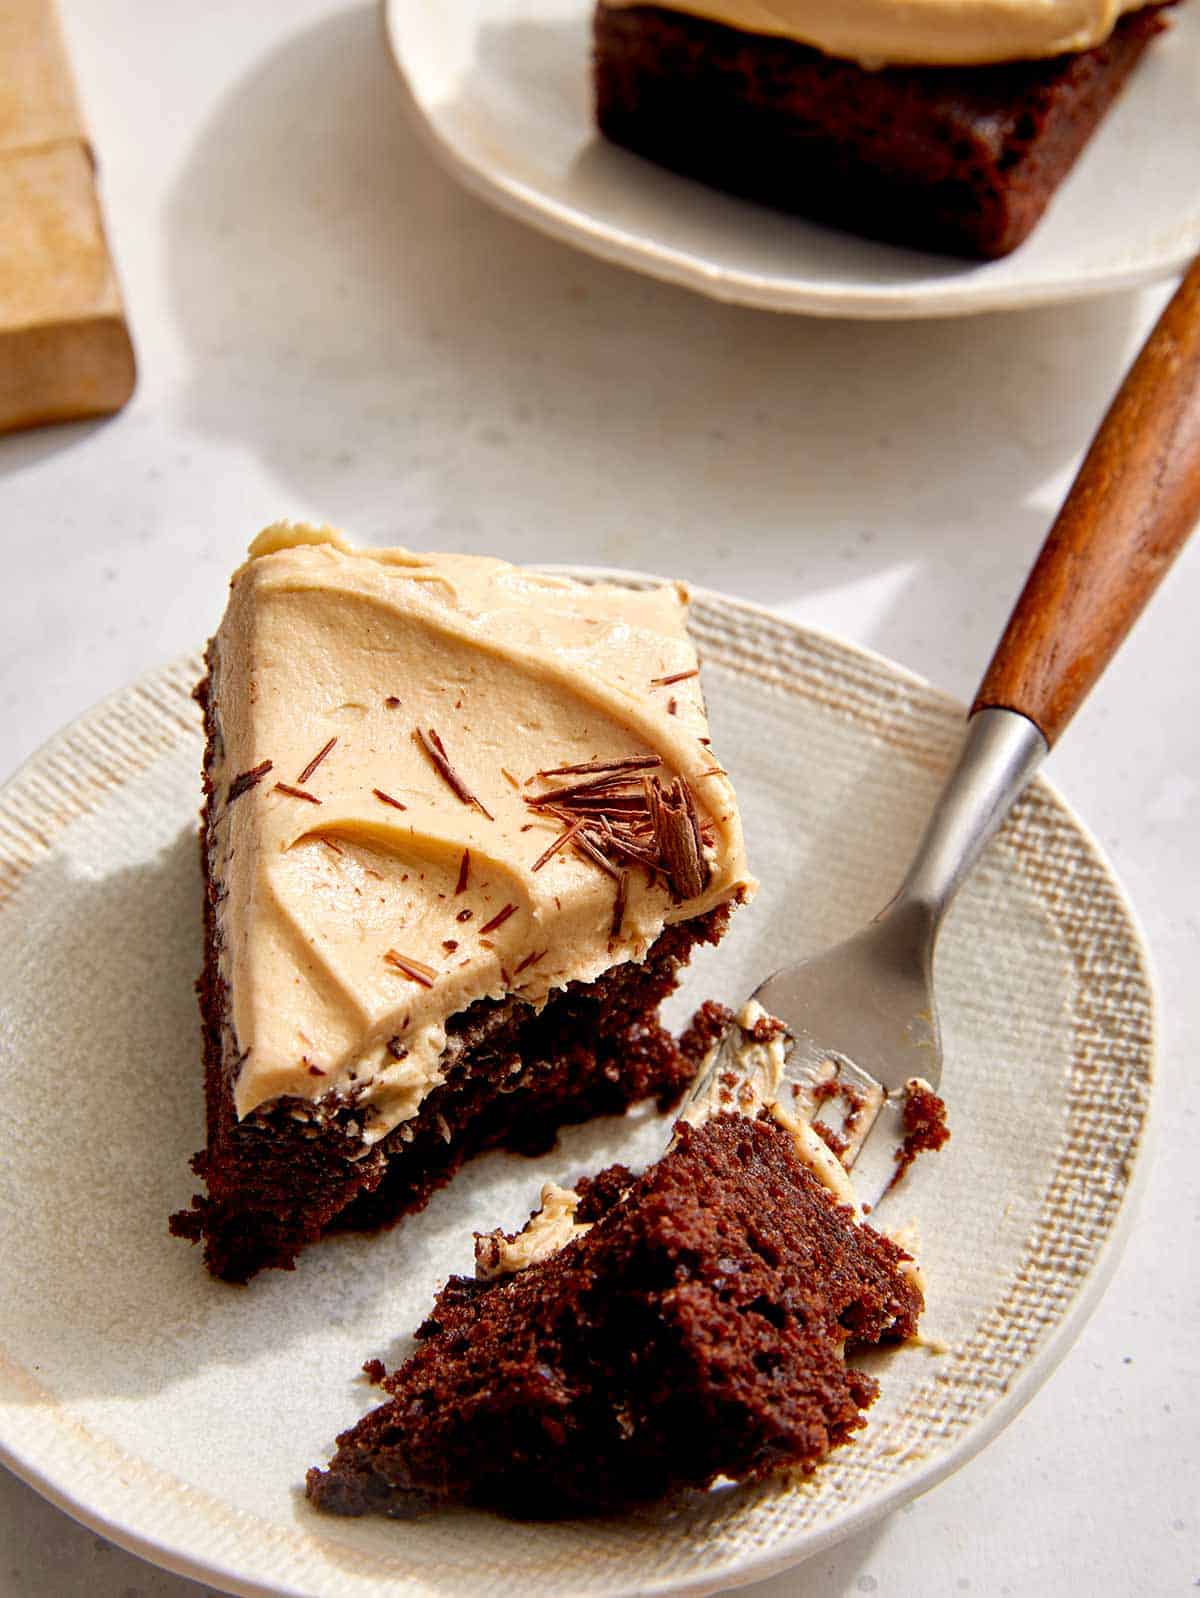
(868, 1003)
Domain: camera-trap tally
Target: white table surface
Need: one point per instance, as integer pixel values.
(328, 328)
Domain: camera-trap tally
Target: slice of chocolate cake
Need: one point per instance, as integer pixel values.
(462, 829)
(641, 1335)
(942, 126)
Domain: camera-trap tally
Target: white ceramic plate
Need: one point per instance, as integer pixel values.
(178, 1415)
(501, 88)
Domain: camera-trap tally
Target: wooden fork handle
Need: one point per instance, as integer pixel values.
(1128, 514)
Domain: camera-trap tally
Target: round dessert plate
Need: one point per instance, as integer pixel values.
(501, 88)
(178, 1415)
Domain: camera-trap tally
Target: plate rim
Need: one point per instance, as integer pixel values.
(739, 1570)
(560, 221)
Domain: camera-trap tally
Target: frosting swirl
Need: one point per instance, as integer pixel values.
(387, 871)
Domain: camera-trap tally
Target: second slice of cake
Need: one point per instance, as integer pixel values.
(463, 827)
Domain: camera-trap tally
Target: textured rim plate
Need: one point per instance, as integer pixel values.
(177, 1415)
(501, 89)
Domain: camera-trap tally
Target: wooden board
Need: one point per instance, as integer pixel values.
(65, 350)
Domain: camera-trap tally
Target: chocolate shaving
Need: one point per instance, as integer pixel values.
(296, 793)
(498, 919)
(508, 777)
(613, 782)
(689, 800)
(618, 915)
(464, 915)
(564, 838)
(392, 702)
(464, 871)
(621, 814)
(414, 970)
(672, 707)
(587, 845)
(315, 761)
(433, 746)
(386, 799)
(449, 944)
(329, 844)
(627, 763)
(676, 676)
(677, 835)
(629, 850)
(632, 805)
(530, 959)
(246, 781)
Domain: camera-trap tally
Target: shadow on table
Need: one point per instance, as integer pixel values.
(347, 303)
(31, 446)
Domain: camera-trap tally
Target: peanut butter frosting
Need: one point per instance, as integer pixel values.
(879, 33)
(550, 1228)
(758, 1061)
(395, 836)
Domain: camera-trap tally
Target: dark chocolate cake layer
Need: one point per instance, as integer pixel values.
(956, 159)
(282, 1178)
(697, 1330)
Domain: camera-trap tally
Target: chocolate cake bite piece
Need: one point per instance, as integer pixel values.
(643, 1334)
(956, 158)
(456, 848)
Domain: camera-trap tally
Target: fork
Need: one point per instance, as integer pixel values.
(862, 1015)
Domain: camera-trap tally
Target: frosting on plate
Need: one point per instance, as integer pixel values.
(388, 784)
(879, 33)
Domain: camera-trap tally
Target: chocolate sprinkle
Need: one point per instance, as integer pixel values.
(433, 746)
(677, 676)
(498, 919)
(587, 845)
(464, 871)
(246, 781)
(386, 799)
(564, 838)
(627, 763)
(414, 970)
(611, 783)
(296, 793)
(315, 761)
(618, 915)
